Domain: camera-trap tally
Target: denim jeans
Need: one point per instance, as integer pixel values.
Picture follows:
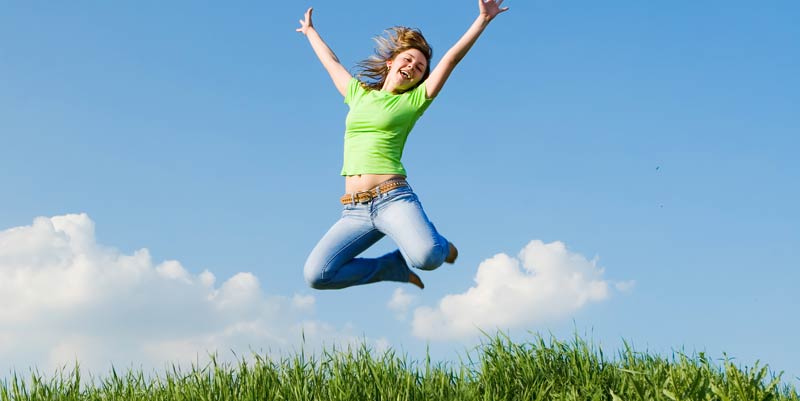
(398, 213)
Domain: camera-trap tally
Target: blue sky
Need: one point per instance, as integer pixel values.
(656, 144)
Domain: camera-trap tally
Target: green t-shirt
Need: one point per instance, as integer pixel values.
(377, 126)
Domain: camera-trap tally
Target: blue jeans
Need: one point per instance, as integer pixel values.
(398, 213)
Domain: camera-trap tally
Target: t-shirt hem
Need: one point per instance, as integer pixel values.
(349, 173)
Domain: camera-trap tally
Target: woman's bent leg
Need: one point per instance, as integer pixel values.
(332, 263)
(402, 218)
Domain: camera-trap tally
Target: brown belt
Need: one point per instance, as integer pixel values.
(366, 196)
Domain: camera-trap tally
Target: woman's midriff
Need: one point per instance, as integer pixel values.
(365, 182)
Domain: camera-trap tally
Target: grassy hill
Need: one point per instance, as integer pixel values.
(499, 369)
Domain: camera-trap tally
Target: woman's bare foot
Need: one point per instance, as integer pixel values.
(452, 255)
(414, 279)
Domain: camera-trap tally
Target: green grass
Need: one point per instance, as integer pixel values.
(499, 369)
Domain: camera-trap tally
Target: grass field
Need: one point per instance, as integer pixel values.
(499, 369)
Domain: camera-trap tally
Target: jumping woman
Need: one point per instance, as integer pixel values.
(378, 200)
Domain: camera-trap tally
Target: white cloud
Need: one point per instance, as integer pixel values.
(382, 345)
(66, 298)
(400, 302)
(303, 302)
(546, 282)
(625, 286)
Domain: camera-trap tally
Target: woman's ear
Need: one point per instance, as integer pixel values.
(389, 64)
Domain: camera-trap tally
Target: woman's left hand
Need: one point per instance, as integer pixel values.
(491, 8)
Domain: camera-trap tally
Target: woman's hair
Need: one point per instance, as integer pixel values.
(396, 40)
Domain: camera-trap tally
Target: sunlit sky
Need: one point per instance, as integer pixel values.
(624, 170)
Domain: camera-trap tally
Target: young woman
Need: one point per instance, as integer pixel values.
(378, 200)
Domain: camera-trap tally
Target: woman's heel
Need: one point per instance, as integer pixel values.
(414, 279)
(452, 254)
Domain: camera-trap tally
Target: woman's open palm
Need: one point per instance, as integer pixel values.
(305, 24)
(490, 8)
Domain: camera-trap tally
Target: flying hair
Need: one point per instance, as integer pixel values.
(372, 72)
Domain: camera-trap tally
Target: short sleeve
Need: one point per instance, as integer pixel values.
(353, 89)
(419, 98)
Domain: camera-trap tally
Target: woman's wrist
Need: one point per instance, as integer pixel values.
(310, 30)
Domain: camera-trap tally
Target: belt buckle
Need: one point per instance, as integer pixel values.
(367, 194)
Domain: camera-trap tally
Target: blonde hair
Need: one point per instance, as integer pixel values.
(396, 40)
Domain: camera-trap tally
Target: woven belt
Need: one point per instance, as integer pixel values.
(366, 196)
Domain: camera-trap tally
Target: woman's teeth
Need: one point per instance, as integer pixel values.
(405, 74)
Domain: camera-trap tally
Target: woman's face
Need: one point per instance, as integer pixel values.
(407, 69)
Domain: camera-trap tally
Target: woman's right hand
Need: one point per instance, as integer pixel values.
(490, 8)
(306, 24)
(340, 76)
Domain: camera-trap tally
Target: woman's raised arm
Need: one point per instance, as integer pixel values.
(488, 10)
(335, 69)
